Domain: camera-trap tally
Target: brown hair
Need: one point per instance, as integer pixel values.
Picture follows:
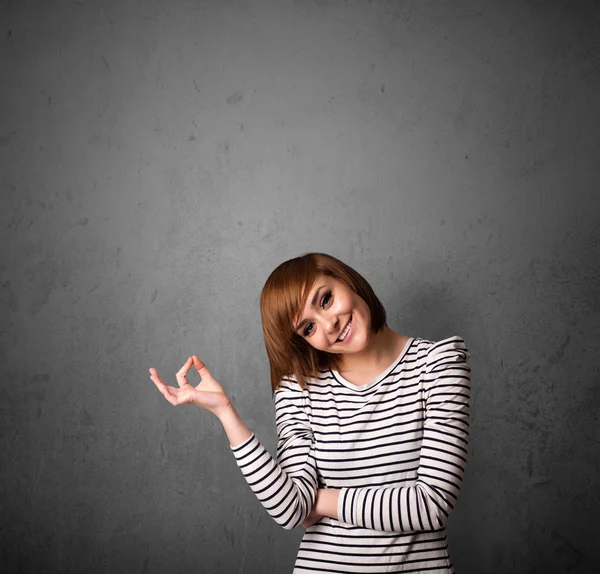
(284, 295)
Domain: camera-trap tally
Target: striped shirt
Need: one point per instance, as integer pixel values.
(395, 447)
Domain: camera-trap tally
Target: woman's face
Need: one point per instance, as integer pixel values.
(334, 319)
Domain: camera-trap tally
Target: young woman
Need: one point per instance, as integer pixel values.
(372, 425)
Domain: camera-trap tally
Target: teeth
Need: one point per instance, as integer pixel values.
(343, 335)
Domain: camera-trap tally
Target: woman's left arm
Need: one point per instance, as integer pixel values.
(427, 504)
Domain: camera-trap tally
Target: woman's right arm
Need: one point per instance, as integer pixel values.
(286, 488)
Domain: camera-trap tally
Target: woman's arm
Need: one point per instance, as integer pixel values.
(287, 488)
(427, 504)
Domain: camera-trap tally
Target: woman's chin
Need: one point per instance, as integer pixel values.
(353, 347)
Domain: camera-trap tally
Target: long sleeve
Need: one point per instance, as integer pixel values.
(287, 487)
(426, 504)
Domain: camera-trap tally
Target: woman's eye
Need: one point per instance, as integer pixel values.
(308, 329)
(326, 299)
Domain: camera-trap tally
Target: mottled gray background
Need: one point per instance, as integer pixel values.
(160, 158)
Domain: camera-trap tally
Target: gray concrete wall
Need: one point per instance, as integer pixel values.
(160, 158)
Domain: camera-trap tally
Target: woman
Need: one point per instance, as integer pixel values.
(372, 425)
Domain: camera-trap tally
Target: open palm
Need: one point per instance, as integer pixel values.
(209, 394)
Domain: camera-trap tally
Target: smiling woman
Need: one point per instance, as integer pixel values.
(372, 425)
(304, 303)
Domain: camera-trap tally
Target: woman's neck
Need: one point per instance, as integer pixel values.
(383, 347)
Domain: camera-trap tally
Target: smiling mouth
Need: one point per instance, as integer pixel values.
(345, 332)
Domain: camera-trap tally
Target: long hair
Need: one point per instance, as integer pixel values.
(284, 295)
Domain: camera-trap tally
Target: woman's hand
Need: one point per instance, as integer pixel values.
(311, 519)
(209, 394)
(325, 505)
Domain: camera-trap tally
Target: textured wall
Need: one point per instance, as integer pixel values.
(160, 158)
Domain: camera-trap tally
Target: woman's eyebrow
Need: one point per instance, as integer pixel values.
(312, 304)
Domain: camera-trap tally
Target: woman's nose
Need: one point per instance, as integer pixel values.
(332, 323)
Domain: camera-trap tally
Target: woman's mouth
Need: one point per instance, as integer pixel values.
(345, 335)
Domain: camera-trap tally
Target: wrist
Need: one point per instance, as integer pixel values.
(235, 429)
(327, 502)
(226, 411)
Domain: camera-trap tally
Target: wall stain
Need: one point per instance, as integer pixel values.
(570, 553)
(6, 139)
(106, 64)
(229, 535)
(464, 113)
(85, 418)
(163, 451)
(235, 98)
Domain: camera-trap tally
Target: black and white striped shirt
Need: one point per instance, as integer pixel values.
(396, 447)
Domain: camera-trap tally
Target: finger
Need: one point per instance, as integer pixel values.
(154, 376)
(165, 391)
(162, 387)
(158, 381)
(308, 523)
(181, 374)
